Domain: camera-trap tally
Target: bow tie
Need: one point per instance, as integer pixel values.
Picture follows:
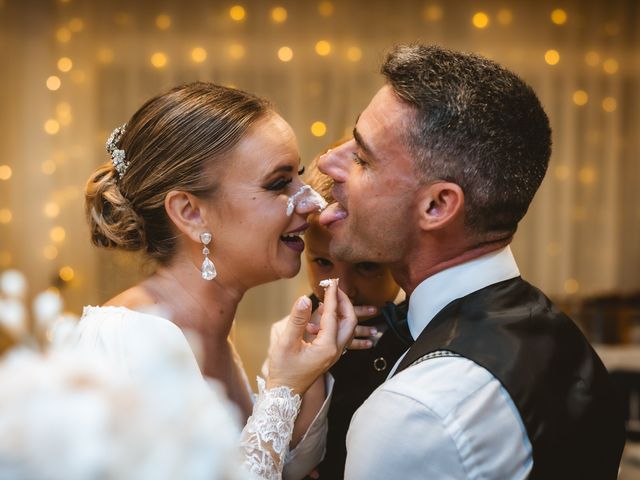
(396, 318)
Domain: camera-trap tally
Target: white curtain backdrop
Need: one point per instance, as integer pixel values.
(75, 69)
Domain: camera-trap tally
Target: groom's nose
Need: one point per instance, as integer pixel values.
(335, 163)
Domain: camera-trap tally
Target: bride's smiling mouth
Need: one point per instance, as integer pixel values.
(293, 238)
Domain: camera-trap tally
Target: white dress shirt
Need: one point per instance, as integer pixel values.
(447, 417)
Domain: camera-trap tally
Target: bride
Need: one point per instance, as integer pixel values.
(205, 180)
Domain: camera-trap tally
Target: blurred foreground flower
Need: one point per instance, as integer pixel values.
(65, 414)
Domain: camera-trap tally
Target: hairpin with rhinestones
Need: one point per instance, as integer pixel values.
(117, 154)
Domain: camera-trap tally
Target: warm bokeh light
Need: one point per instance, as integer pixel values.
(57, 234)
(237, 13)
(354, 54)
(163, 21)
(505, 16)
(580, 97)
(325, 9)
(52, 126)
(5, 215)
(63, 113)
(587, 175)
(159, 60)
(63, 35)
(592, 58)
(562, 172)
(610, 66)
(48, 167)
(609, 104)
(279, 14)
(54, 83)
(66, 273)
(105, 55)
(559, 16)
(50, 252)
(5, 172)
(65, 64)
(323, 48)
(433, 13)
(198, 55)
(480, 20)
(51, 209)
(571, 286)
(318, 129)
(76, 25)
(552, 57)
(285, 54)
(236, 51)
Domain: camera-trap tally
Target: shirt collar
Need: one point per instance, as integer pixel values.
(437, 291)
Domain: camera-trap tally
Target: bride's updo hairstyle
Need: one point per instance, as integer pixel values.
(175, 141)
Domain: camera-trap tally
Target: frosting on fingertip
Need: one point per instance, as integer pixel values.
(327, 282)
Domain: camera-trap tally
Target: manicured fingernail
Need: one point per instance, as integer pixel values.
(373, 331)
(369, 343)
(304, 302)
(372, 309)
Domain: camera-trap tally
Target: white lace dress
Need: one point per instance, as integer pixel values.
(120, 333)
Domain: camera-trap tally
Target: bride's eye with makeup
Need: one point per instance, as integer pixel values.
(279, 184)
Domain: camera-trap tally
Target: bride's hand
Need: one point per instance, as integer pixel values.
(296, 363)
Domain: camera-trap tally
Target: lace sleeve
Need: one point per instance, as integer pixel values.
(265, 439)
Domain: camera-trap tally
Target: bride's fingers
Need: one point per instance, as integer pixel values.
(296, 325)
(313, 328)
(348, 319)
(329, 319)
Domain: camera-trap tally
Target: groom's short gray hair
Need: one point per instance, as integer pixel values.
(477, 125)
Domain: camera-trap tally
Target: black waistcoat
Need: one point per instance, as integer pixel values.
(559, 385)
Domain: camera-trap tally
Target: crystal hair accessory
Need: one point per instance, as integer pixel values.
(118, 156)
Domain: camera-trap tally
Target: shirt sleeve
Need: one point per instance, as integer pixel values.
(381, 442)
(445, 418)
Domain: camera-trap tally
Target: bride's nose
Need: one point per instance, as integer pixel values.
(306, 206)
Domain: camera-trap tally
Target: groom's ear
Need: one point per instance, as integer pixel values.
(440, 204)
(187, 213)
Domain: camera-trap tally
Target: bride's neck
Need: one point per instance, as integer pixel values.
(208, 307)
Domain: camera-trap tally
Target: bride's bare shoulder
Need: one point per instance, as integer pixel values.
(134, 298)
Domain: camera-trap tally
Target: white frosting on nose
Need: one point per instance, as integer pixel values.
(304, 197)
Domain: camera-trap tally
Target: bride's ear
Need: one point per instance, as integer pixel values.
(187, 213)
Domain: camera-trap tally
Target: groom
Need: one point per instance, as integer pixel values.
(499, 384)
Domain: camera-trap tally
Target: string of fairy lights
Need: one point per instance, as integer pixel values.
(65, 70)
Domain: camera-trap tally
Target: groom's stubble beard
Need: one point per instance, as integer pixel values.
(382, 237)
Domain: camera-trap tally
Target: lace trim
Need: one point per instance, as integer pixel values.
(266, 437)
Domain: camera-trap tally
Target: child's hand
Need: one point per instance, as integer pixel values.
(363, 334)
